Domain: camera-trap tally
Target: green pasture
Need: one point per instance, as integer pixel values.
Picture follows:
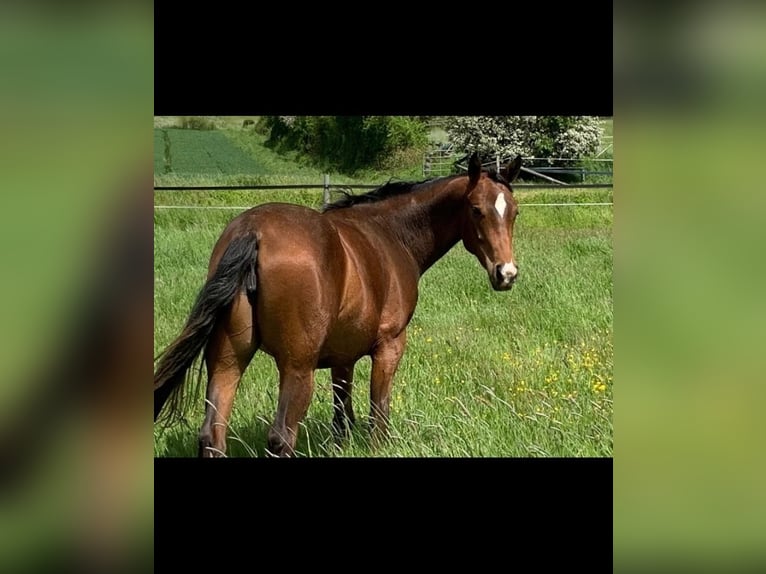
(190, 152)
(231, 156)
(515, 374)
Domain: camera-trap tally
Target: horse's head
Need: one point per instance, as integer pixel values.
(490, 211)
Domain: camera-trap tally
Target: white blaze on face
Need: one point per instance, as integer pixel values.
(500, 204)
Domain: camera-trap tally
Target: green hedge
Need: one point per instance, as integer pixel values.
(349, 143)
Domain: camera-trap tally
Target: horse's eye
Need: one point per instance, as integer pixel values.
(476, 211)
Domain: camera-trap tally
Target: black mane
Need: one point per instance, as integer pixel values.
(392, 189)
(389, 189)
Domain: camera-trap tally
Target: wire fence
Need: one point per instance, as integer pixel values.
(355, 186)
(246, 207)
(327, 188)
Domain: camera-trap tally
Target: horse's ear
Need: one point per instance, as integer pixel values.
(511, 171)
(474, 169)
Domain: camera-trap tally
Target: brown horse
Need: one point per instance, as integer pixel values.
(321, 290)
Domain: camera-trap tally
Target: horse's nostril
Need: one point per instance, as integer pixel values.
(506, 271)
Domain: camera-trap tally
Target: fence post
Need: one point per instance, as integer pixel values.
(326, 196)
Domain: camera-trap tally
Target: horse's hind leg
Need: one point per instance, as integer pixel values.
(296, 385)
(343, 419)
(227, 355)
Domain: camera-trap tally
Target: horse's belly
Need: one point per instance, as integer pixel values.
(345, 345)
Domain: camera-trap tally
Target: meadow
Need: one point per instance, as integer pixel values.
(196, 152)
(522, 373)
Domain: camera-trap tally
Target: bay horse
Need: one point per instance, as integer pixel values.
(320, 290)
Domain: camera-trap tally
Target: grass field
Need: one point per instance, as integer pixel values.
(514, 374)
(192, 152)
(235, 156)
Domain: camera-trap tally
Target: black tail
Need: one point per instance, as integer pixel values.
(236, 271)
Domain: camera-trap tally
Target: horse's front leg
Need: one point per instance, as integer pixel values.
(385, 361)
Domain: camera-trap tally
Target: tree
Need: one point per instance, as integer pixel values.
(531, 136)
(349, 143)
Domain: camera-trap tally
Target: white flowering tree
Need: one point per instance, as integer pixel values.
(572, 137)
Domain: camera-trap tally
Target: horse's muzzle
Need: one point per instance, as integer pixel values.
(503, 276)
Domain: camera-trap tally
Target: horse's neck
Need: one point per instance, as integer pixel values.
(427, 224)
